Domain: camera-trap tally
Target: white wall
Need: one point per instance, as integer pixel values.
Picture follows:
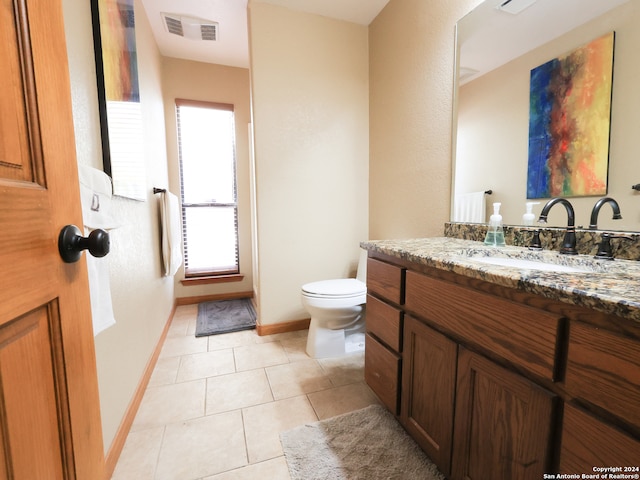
(212, 83)
(310, 114)
(142, 298)
(493, 128)
(411, 49)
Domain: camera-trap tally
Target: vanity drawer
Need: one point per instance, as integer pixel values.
(385, 322)
(587, 441)
(385, 280)
(604, 369)
(382, 372)
(522, 335)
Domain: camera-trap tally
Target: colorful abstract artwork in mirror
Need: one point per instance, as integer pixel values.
(569, 122)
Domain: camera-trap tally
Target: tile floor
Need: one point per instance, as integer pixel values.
(215, 406)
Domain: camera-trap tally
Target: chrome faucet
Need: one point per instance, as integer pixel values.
(596, 209)
(569, 241)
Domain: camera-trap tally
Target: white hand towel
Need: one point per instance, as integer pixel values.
(95, 197)
(171, 234)
(470, 207)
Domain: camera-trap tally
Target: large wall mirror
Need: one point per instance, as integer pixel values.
(498, 46)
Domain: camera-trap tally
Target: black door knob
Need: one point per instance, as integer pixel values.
(71, 243)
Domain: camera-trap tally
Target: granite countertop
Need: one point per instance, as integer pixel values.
(612, 287)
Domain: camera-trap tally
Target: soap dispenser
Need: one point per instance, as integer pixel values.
(495, 232)
(528, 218)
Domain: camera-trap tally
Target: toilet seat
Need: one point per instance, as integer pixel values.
(337, 309)
(339, 288)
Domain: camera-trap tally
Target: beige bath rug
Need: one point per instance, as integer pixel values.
(367, 444)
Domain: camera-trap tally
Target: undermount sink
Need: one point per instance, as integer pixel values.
(530, 264)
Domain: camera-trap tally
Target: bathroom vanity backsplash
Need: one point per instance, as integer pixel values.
(587, 241)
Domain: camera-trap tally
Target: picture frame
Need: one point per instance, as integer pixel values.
(119, 103)
(570, 122)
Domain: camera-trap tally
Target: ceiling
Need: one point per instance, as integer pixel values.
(489, 38)
(232, 46)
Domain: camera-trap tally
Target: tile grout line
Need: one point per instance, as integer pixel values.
(244, 432)
(157, 462)
(266, 375)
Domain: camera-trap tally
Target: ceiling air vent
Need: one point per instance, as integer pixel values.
(174, 25)
(209, 31)
(191, 27)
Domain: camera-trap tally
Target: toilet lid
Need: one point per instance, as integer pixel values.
(344, 287)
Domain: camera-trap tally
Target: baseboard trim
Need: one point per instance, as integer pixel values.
(284, 327)
(120, 438)
(212, 297)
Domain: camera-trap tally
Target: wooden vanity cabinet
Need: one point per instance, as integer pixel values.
(383, 340)
(500, 384)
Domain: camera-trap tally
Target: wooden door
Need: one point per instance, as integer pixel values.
(503, 423)
(428, 389)
(49, 408)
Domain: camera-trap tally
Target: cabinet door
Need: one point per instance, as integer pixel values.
(428, 388)
(588, 442)
(503, 423)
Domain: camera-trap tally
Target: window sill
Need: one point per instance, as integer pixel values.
(236, 277)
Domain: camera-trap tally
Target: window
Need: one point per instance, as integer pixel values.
(206, 149)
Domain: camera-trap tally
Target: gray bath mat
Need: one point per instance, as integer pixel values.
(224, 316)
(367, 444)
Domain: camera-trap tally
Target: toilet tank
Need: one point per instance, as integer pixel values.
(362, 266)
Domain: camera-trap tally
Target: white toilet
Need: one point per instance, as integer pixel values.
(337, 309)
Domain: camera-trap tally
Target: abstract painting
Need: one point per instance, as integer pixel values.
(569, 122)
(119, 96)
